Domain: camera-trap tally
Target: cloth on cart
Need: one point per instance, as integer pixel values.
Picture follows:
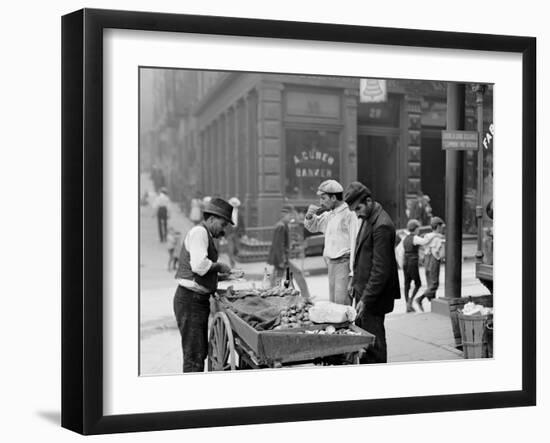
(261, 313)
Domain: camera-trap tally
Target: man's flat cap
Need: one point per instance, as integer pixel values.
(330, 187)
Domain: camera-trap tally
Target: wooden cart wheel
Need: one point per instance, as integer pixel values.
(221, 346)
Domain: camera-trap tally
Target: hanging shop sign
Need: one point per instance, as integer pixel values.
(372, 90)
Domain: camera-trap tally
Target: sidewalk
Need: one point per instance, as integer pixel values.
(410, 338)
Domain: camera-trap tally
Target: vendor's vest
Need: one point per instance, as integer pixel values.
(208, 280)
(411, 250)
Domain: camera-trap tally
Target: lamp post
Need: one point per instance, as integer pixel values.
(454, 185)
(479, 90)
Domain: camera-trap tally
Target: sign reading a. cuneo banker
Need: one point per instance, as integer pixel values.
(460, 140)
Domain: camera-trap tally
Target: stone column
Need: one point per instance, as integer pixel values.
(222, 160)
(349, 151)
(270, 155)
(251, 197)
(414, 148)
(214, 174)
(237, 169)
(229, 153)
(202, 158)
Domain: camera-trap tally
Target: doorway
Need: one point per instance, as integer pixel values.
(378, 169)
(433, 170)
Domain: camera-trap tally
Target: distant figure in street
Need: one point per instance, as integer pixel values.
(340, 226)
(234, 232)
(160, 206)
(173, 244)
(197, 278)
(434, 247)
(195, 214)
(157, 177)
(375, 283)
(411, 246)
(279, 253)
(420, 209)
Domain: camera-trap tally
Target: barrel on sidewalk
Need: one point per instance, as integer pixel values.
(457, 304)
(477, 335)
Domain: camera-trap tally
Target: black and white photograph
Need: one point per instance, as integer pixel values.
(297, 221)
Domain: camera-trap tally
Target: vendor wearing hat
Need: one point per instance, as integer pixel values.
(197, 277)
(340, 226)
(375, 282)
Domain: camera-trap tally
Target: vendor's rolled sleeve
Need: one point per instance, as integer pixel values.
(196, 243)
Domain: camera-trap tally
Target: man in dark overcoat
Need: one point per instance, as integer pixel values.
(375, 282)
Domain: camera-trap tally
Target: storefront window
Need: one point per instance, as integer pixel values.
(311, 157)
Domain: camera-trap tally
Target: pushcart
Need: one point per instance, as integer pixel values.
(235, 344)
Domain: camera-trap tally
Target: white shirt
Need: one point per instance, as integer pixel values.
(434, 244)
(196, 242)
(161, 200)
(340, 227)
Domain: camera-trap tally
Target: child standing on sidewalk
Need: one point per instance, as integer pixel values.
(411, 244)
(435, 251)
(171, 243)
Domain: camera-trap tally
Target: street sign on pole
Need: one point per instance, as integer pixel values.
(460, 140)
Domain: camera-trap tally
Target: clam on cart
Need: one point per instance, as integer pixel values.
(235, 344)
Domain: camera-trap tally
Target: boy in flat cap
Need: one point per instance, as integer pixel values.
(340, 226)
(375, 282)
(434, 248)
(197, 277)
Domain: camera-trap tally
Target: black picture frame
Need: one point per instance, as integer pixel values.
(82, 219)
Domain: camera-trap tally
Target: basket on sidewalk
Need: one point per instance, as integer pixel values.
(477, 335)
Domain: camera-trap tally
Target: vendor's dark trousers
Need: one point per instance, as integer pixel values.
(162, 220)
(377, 352)
(191, 310)
(432, 266)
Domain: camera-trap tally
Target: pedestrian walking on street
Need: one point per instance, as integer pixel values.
(340, 226)
(160, 205)
(375, 283)
(434, 251)
(197, 278)
(279, 253)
